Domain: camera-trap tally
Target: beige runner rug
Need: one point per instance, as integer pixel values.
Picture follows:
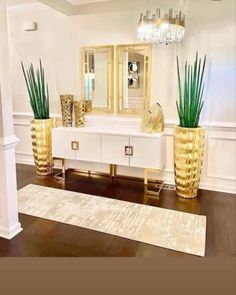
(156, 226)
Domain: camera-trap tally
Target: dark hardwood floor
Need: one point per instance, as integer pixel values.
(41, 237)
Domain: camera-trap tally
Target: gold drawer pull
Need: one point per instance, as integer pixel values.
(74, 145)
(129, 151)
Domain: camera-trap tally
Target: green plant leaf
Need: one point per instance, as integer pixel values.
(191, 101)
(37, 90)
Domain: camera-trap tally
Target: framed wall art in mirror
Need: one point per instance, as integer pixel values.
(133, 78)
(98, 77)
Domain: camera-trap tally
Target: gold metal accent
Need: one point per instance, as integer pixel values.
(159, 184)
(67, 109)
(153, 120)
(41, 131)
(188, 159)
(113, 170)
(79, 108)
(85, 52)
(75, 145)
(131, 153)
(146, 51)
(63, 170)
(129, 150)
(113, 173)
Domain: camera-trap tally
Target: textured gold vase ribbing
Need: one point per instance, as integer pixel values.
(41, 133)
(188, 159)
(67, 109)
(79, 108)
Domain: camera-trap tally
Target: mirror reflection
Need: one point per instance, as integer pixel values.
(133, 71)
(98, 77)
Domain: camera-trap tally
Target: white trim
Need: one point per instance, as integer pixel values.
(103, 119)
(231, 138)
(23, 114)
(8, 142)
(21, 124)
(7, 233)
(218, 188)
(26, 8)
(22, 158)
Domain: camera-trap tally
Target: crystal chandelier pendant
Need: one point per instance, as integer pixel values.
(161, 27)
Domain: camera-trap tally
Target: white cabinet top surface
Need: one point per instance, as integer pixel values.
(111, 130)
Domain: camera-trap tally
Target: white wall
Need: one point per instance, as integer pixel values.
(210, 30)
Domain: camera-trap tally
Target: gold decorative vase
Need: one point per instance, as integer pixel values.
(153, 119)
(41, 131)
(147, 123)
(188, 159)
(67, 109)
(79, 108)
(88, 106)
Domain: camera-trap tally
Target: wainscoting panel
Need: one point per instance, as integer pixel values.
(221, 153)
(219, 169)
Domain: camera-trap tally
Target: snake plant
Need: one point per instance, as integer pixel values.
(191, 102)
(37, 90)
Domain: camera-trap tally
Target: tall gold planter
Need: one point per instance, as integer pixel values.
(188, 159)
(41, 131)
(67, 109)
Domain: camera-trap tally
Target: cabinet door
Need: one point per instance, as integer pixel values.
(61, 144)
(89, 147)
(147, 152)
(113, 149)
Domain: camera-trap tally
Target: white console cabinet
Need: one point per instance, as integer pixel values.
(112, 146)
(113, 149)
(71, 144)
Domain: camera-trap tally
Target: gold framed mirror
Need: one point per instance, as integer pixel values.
(98, 78)
(133, 78)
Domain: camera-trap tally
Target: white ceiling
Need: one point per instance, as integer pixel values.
(80, 7)
(78, 2)
(20, 2)
(74, 2)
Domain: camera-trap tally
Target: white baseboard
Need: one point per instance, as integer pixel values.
(23, 158)
(9, 233)
(218, 188)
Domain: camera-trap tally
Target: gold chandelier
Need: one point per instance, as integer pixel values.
(161, 27)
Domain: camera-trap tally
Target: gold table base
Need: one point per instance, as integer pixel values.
(159, 184)
(61, 176)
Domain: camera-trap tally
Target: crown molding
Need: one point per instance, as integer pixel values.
(26, 8)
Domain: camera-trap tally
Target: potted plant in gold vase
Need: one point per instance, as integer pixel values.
(41, 125)
(189, 137)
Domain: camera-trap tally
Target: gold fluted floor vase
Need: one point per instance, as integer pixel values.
(41, 131)
(188, 159)
(67, 109)
(79, 108)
